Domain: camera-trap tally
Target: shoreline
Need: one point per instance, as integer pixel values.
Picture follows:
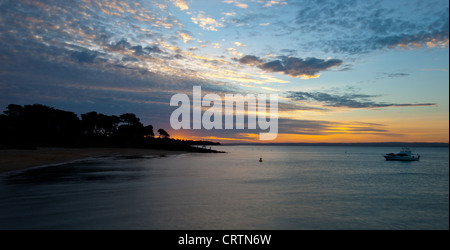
(21, 159)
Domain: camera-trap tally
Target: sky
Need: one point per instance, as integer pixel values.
(344, 71)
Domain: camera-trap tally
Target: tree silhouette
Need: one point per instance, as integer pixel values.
(36, 125)
(94, 124)
(40, 124)
(130, 120)
(148, 131)
(131, 129)
(13, 110)
(163, 133)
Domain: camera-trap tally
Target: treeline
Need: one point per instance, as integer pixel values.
(32, 126)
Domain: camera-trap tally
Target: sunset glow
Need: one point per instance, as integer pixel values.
(344, 71)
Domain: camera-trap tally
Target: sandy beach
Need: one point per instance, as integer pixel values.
(16, 159)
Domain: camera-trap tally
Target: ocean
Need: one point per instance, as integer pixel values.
(293, 188)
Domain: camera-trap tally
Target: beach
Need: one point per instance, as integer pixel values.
(18, 159)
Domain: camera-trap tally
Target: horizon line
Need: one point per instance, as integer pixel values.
(441, 144)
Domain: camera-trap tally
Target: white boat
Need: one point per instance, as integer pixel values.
(404, 155)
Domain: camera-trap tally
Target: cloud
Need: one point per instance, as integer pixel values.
(153, 49)
(83, 81)
(341, 26)
(319, 127)
(397, 74)
(270, 3)
(237, 4)
(240, 44)
(350, 100)
(120, 45)
(252, 19)
(181, 4)
(206, 22)
(288, 126)
(186, 36)
(292, 66)
(86, 56)
(381, 75)
(250, 60)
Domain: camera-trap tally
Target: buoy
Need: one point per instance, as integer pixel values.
(260, 159)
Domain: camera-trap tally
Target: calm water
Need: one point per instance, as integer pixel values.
(295, 187)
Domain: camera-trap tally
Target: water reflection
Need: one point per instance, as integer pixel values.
(104, 169)
(294, 188)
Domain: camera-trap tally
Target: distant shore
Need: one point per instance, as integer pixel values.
(356, 144)
(18, 159)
